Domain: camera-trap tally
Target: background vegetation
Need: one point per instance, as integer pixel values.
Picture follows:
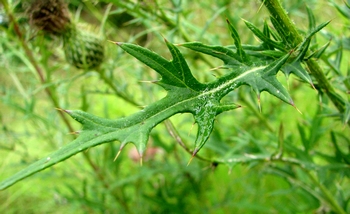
(315, 179)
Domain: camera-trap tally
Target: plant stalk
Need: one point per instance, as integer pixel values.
(295, 38)
(326, 194)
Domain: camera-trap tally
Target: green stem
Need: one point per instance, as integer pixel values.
(327, 195)
(120, 94)
(277, 11)
(294, 39)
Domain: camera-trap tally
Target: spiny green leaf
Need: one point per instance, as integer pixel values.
(186, 95)
(88, 139)
(269, 81)
(263, 78)
(205, 117)
(297, 69)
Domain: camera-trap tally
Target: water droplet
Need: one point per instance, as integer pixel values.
(47, 159)
(278, 91)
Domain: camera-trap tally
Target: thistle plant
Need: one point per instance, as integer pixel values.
(256, 68)
(281, 49)
(82, 48)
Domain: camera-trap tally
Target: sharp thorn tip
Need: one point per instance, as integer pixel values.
(117, 155)
(190, 160)
(313, 86)
(75, 132)
(296, 108)
(60, 109)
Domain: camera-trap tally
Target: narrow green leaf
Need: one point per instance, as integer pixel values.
(237, 41)
(303, 48)
(280, 148)
(316, 29)
(228, 56)
(266, 32)
(280, 30)
(266, 29)
(275, 35)
(319, 52)
(338, 153)
(347, 5)
(271, 54)
(338, 59)
(225, 107)
(344, 10)
(264, 38)
(346, 116)
(311, 18)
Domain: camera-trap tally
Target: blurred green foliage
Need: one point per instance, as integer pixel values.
(316, 143)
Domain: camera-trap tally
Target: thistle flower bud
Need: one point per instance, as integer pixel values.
(83, 49)
(51, 16)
